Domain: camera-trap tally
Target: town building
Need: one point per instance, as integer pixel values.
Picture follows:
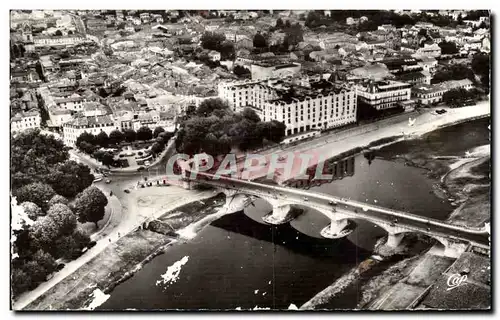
(58, 117)
(428, 64)
(399, 65)
(93, 108)
(429, 94)
(214, 55)
(74, 102)
(25, 120)
(305, 106)
(49, 41)
(94, 125)
(383, 94)
(414, 77)
(427, 50)
(268, 70)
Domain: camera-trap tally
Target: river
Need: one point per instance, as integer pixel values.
(240, 262)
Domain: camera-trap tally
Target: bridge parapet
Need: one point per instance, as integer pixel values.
(338, 208)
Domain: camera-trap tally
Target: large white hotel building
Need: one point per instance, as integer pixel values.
(305, 106)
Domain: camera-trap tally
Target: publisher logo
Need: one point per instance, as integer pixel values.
(455, 280)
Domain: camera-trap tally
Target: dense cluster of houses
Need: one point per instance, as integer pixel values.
(102, 70)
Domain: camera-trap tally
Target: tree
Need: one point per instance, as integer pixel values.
(241, 71)
(157, 148)
(448, 47)
(70, 246)
(32, 151)
(313, 19)
(63, 217)
(20, 281)
(212, 40)
(294, 35)
(107, 159)
(279, 23)
(288, 24)
(90, 205)
(115, 137)
(259, 41)
(32, 210)
(481, 66)
(144, 133)
(160, 140)
(277, 131)
(40, 267)
(38, 193)
(85, 137)
(273, 131)
(208, 106)
(226, 50)
(190, 111)
(250, 114)
(102, 139)
(157, 131)
(58, 33)
(70, 178)
(87, 147)
(43, 233)
(98, 154)
(66, 247)
(130, 135)
(58, 199)
(454, 72)
(166, 136)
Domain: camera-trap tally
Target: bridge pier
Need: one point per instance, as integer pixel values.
(235, 203)
(336, 229)
(188, 184)
(280, 215)
(447, 248)
(394, 239)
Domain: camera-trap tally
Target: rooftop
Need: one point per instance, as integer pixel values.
(91, 121)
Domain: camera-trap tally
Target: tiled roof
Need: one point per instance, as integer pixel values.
(20, 115)
(91, 121)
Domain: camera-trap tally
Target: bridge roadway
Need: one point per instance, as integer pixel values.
(354, 209)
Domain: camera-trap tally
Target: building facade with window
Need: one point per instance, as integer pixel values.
(383, 94)
(428, 94)
(94, 125)
(305, 106)
(25, 120)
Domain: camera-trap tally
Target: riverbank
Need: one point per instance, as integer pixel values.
(374, 135)
(122, 258)
(461, 177)
(465, 181)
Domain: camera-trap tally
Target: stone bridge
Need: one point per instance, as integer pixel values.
(239, 193)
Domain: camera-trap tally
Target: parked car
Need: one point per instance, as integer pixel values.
(440, 111)
(306, 199)
(126, 191)
(108, 181)
(60, 266)
(140, 168)
(332, 203)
